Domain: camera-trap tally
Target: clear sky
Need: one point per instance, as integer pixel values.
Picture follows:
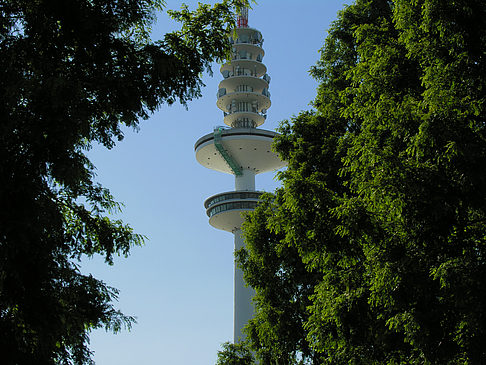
(180, 284)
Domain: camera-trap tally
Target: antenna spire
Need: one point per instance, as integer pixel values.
(243, 18)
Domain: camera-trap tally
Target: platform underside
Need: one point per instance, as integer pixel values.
(229, 220)
(250, 148)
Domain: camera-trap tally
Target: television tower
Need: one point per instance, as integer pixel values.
(240, 148)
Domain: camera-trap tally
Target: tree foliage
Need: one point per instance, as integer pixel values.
(72, 73)
(235, 354)
(373, 251)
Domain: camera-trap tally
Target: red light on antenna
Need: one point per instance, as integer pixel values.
(242, 23)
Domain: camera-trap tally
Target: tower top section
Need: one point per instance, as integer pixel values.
(242, 20)
(243, 95)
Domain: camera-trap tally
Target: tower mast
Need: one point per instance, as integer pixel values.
(242, 20)
(240, 148)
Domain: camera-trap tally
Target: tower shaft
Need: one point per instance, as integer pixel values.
(246, 181)
(243, 306)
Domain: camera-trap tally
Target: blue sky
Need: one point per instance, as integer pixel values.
(179, 285)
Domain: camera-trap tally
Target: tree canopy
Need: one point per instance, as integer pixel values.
(72, 73)
(373, 251)
(234, 354)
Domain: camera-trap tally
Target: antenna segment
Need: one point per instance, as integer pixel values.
(242, 20)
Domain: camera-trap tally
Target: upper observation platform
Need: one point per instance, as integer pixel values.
(243, 94)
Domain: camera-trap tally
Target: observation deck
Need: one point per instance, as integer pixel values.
(243, 94)
(224, 209)
(250, 148)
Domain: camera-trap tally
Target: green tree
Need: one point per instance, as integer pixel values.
(383, 203)
(72, 73)
(235, 354)
(283, 286)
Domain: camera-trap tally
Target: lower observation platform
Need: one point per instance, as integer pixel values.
(224, 209)
(250, 148)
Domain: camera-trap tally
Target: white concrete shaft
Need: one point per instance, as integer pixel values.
(245, 182)
(243, 306)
